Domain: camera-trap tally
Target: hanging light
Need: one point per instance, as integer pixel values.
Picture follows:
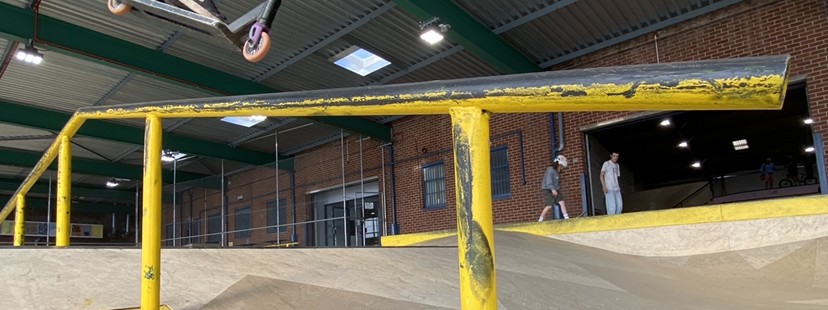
(29, 54)
(112, 182)
(169, 156)
(432, 31)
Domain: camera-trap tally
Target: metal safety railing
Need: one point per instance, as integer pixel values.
(732, 84)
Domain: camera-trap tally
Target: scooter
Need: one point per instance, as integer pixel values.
(203, 16)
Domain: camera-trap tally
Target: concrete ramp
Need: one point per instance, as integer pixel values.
(534, 272)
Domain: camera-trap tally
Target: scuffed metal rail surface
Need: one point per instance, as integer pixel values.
(731, 84)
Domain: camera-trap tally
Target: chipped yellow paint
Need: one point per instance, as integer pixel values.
(473, 192)
(760, 92)
(151, 220)
(20, 221)
(64, 194)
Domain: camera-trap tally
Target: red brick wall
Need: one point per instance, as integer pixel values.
(420, 141)
(798, 28)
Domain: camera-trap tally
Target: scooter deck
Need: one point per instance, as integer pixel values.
(190, 20)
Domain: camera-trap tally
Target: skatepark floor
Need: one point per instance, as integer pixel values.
(533, 272)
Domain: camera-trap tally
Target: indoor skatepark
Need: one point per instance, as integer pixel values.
(332, 163)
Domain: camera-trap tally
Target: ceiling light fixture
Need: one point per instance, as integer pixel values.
(665, 123)
(683, 144)
(696, 165)
(808, 121)
(29, 54)
(432, 31)
(169, 156)
(112, 183)
(809, 149)
(740, 144)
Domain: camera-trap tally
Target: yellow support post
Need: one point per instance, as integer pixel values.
(473, 188)
(151, 236)
(19, 221)
(64, 189)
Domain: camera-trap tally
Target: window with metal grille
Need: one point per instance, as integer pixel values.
(434, 186)
(214, 228)
(500, 173)
(242, 221)
(276, 216)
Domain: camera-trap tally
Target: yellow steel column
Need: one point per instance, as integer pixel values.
(64, 193)
(473, 188)
(151, 236)
(19, 221)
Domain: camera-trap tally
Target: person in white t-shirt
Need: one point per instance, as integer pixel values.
(610, 172)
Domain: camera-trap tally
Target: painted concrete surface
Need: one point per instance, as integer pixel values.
(533, 272)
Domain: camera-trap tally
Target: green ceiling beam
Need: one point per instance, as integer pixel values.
(90, 192)
(18, 24)
(51, 120)
(473, 36)
(77, 207)
(88, 166)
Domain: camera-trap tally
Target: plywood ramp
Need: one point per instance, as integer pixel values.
(533, 272)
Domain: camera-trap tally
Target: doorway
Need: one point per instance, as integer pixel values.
(691, 158)
(361, 223)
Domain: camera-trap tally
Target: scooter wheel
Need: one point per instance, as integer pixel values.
(118, 7)
(259, 51)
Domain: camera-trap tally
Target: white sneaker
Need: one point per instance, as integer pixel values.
(540, 219)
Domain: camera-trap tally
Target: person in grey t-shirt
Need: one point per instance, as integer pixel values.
(610, 172)
(551, 187)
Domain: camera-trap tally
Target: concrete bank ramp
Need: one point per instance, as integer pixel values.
(533, 272)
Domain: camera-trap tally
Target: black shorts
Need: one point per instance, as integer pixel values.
(549, 199)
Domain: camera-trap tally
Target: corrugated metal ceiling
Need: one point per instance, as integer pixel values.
(60, 82)
(9, 131)
(94, 15)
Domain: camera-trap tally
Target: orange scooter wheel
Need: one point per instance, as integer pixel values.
(118, 8)
(259, 50)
